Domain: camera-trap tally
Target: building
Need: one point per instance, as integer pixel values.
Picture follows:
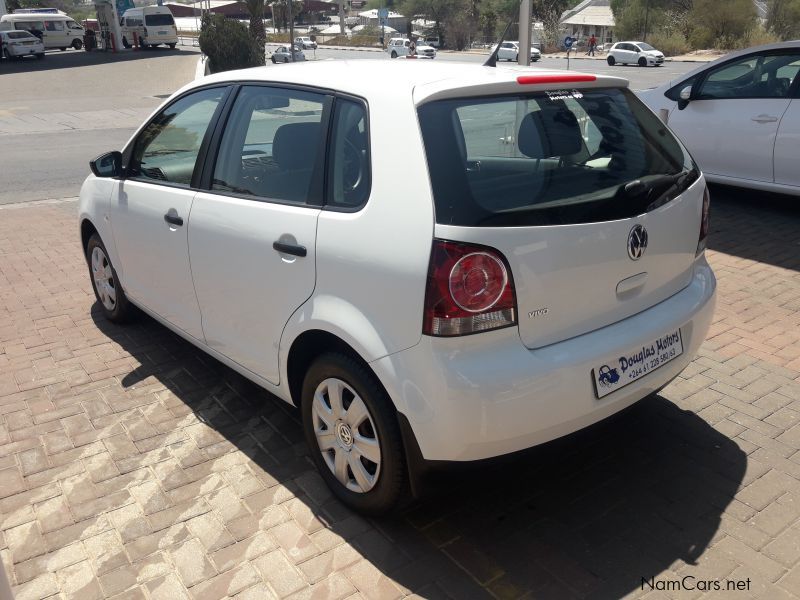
(590, 17)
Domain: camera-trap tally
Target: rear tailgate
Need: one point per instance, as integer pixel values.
(557, 181)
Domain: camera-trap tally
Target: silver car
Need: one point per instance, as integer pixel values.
(282, 55)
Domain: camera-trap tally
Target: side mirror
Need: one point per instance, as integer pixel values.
(685, 96)
(107, 165)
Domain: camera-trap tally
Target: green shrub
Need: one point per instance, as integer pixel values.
(228, 44)
(701, 38)
(671, 45)
(758, 36)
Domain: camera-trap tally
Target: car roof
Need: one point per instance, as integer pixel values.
(368, 78)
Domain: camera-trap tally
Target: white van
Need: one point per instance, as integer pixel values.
(153, 25)
(55, 30)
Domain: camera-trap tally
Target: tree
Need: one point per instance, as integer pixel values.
(783, 18)
(228, 44)
(723, 27)
(280, 12)
(256, 10)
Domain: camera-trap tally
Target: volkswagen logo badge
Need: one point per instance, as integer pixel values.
(637, 242)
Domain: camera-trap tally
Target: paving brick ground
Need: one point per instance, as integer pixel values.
(133, 466)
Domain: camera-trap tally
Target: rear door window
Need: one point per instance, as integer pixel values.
(550, 158)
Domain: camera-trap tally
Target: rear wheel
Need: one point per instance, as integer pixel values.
(352, 431)
(274, 62)
(610, 60)
(394, 54)
(642, 62)
(63, 49)
(107, 290)
(40, 56)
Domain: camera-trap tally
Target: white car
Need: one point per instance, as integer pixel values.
(635, 53)
(494, 297)
(739, 116)
(281, 55)
(510, 51)
(306, 43)
(16, 44)
(402, 47)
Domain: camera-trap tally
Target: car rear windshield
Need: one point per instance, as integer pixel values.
(550, 158)
(158, 20)
(18, 35)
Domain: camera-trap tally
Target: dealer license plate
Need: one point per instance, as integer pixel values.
(619, 371)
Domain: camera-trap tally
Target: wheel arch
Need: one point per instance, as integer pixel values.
(87, 229)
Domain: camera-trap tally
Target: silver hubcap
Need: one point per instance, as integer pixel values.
(103, 278)
(346, 435)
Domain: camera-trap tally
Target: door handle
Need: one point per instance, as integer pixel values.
(173, 219)
(764, 119)
(293, 249)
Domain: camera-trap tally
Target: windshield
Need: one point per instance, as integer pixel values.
(550, 158)
(158, 20)
(644, 46)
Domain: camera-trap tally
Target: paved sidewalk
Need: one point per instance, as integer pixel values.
(134, 466)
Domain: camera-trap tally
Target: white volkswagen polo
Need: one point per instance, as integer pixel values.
(533, 265)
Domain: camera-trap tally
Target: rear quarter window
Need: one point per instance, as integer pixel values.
(549, 158)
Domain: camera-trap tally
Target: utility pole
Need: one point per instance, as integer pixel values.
(524, 57)
(646, 15)
(291, 28)
(341, 17)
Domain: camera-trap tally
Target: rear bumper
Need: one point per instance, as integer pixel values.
(486, 395)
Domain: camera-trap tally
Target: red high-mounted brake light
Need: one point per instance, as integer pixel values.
(469, 290)
(704, 222)
(533, 79)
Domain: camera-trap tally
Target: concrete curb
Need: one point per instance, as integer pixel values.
(666, 60)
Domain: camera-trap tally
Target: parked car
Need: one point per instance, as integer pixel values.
(402, 47)
(635, 53)
(492, 298)
(281, 54)
(16, 44)
(510, 51)
(739, 116)
(306, 43)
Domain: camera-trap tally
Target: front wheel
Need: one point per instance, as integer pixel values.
(77, 44)
(642, 62)
(394, 54)
(171, 46)
(107, 290)
(610, 60)
(351, 428)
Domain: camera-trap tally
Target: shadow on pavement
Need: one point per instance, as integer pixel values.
(55, 59)
(585, 516)
(755, 225)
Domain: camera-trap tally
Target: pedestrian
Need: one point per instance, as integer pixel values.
(592, 44)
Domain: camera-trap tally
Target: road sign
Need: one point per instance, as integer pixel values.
(568, 41)
(383, 13)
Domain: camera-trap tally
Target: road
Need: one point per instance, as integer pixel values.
(72, 106)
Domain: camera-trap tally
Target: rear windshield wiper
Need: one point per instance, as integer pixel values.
(657, 190)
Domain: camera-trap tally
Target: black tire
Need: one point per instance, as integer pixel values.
(611, 61)
(274, 62)
(63, 49)
(642, 62)
(516, 58)
(392, 478)
(171, 46)
(123, 310)
(394, 54)
(77, 44)
(125, 43)
(40, 56)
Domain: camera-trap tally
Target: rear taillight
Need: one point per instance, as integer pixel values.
(469, 290)
(701, 243)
